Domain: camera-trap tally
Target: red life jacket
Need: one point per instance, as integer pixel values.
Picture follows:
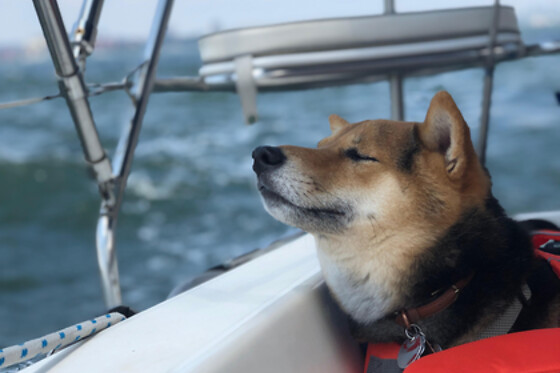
(547, 245)
(530, 351)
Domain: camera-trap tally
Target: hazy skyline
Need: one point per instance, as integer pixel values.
(19, 25)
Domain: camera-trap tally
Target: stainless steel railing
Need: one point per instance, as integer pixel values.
(71, 81)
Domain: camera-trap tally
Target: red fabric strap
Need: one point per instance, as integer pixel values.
(531, 351)
(540, 238)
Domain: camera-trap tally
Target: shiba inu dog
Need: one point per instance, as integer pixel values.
(407, 229)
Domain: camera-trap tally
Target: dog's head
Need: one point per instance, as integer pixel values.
(376, 174)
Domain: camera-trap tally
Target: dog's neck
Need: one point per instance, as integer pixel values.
(374, 283)
(371, 282)
(372, 276)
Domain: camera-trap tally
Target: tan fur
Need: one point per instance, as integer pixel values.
(373, 211)
(384, 198)
(337, 123)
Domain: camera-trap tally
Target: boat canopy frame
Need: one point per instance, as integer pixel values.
(69, 54)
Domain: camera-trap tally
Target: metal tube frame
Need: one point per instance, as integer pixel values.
(142, 84)
(85, 31)
(396, 80)
(72, 87)
(389, 7)
(488, 86)
(407, 67)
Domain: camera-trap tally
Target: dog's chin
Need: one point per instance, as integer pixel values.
(309, 219)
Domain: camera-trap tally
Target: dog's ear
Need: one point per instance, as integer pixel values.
(337, 123)
(444, 130)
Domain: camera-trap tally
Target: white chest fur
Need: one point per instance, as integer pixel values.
(364, 295)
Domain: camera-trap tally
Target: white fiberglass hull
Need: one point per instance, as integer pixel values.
(272, 314)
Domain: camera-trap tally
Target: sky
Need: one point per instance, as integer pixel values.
(130, 19)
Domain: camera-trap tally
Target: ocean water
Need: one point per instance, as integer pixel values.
(191, 201)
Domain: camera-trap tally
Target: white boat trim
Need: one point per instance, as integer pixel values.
(360, 54)
(551, 216)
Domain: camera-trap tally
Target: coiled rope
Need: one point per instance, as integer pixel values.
(47, 345)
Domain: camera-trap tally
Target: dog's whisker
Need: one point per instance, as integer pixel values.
(380, 240)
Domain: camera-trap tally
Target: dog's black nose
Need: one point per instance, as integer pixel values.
(267, 158)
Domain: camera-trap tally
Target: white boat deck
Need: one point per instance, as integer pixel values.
(271, 314)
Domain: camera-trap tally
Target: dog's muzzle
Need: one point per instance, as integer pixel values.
(267, 158)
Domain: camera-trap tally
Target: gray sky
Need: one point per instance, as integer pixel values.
(130, 19)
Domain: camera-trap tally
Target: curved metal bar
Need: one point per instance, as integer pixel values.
(107, 261)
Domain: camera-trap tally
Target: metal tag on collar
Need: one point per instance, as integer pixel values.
(413, 348)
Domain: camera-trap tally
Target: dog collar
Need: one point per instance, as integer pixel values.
(412, 315)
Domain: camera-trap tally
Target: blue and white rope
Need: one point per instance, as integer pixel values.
(44, 346)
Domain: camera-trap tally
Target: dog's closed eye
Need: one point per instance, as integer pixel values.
(354, 155)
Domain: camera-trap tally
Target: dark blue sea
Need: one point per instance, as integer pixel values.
(191, 201)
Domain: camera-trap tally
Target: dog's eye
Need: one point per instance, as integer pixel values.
(354, 155)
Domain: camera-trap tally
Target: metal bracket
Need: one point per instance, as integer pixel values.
(246, 87)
